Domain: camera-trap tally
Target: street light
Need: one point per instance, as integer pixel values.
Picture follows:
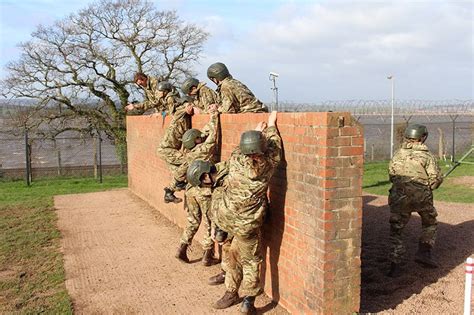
(273, 77)
(391, 78)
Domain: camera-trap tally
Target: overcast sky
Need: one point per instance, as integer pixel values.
(322, 50)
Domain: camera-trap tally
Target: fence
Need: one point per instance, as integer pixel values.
(30, 157)
(450, 123)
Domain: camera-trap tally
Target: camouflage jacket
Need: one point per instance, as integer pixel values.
(235, 97)
(202, 151)
(152, 99)
(239, 205)
(208, 191)
(205, 96)
(414, 163)
(180, 122)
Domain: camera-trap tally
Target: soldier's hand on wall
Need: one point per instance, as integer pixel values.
(129, 107)
(189, 109)
(261, 126)
(212, 108)
(272, 118)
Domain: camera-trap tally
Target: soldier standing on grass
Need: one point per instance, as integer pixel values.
(197, 146)
(203, 96)
(234, 96)
(414, 173)
(239, 208)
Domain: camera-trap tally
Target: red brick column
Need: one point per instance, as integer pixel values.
(312, 235)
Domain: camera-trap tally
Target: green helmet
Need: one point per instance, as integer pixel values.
(416, 131)
(252, 142)
(189, 138)
(195, 171)
(188, 84)
(217, 71)
(165, 86)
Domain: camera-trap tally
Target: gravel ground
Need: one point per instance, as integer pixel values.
(118, 255)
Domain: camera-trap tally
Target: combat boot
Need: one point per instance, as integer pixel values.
(208, 257)
(229, 299)
(180, 185)
(170, 197)
(217, 279)
(395, 270)
(181, 253)
(248, 306)
(423, 256)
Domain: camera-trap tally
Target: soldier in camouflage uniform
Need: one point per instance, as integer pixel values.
(170, 146)
(234, 96)
(198, 199)
(149, 85)
(203, 96)
(155, 90)
(414, 173)
(239, 208)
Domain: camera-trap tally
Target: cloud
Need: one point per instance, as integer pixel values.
(333, 50)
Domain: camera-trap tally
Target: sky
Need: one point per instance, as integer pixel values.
(321, 50)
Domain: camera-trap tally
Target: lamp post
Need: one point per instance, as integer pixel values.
(392, 79)
(273, 77)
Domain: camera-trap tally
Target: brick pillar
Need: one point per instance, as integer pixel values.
(312, 234)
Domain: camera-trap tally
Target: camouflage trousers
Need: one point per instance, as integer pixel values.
(197, 210)
(242, 261)
(403, 200)
(173, 158)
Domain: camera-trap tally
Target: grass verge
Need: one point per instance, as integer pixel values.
(457, 187)
(31, 265)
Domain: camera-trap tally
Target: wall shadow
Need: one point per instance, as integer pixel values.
(455, 242)
(273, 232)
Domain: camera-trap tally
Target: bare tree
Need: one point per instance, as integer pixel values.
(86, 62)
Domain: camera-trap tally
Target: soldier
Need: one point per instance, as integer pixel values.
(150, 86)
(170, 146)
(239, 208)
(203, 95)
(234, 96)
(155, 90)
(414, 173)
(198, 199)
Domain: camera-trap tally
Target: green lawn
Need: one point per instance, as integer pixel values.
(376, 182)
(31, 265)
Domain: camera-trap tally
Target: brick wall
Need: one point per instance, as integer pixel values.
(312, 237)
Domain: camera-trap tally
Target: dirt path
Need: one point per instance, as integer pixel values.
(118, 254)
(418, 290)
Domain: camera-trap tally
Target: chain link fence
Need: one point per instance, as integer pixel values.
(450, 123)
(30, 157)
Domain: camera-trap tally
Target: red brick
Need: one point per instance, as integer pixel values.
(314, 186)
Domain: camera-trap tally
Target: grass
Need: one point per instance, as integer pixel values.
(31, 265)
(376, 182)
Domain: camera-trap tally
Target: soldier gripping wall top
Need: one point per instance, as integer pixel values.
(414, 173)
(234, 96)
(239, 207)
(155, 91)
(169, 148)
(202, 95)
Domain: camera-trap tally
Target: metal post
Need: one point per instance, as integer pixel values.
(453, 159)
(272, 78)
(27, 155)
(391, 78)
(100, 159)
